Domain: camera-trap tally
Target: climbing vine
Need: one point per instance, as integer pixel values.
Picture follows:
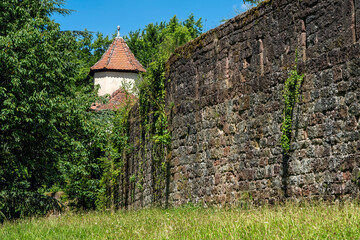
(128, 169)
(291, 97)
(114, 157)
(154, 124)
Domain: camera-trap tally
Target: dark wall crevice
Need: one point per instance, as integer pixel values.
(353, 19)
(357, 19)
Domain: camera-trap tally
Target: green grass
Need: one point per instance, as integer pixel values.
(313, 221)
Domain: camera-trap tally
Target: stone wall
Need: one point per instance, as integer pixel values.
(145, 178)
(225, 94)
(227, 90)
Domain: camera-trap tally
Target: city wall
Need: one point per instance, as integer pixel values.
(225, 104)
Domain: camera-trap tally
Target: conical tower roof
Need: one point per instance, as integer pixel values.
(118, 58)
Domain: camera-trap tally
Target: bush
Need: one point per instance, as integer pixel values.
(16, 204)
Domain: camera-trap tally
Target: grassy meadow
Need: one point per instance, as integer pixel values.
(291, 221)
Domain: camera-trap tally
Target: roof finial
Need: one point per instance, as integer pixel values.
(118, 28)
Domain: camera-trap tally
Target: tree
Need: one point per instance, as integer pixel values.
(43, 105)
(83, 173)
(90, 47)
(193, 26)
(253, 2)
(151, 42)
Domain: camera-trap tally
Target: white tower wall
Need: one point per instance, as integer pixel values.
(111, 81)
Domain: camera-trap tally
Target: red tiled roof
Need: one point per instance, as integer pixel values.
(118, 57)
(117, 100)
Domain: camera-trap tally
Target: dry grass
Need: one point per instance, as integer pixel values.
(310, 221)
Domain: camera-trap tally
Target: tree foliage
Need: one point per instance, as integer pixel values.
(44, 121)
(160, 39)
(89, 49)
(252, 2)
(48, 137)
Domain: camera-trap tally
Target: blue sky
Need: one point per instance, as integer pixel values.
(104, 15)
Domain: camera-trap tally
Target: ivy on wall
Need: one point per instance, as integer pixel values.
(120, 182)
(114, 156)
(291, 96)
(154, 123)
